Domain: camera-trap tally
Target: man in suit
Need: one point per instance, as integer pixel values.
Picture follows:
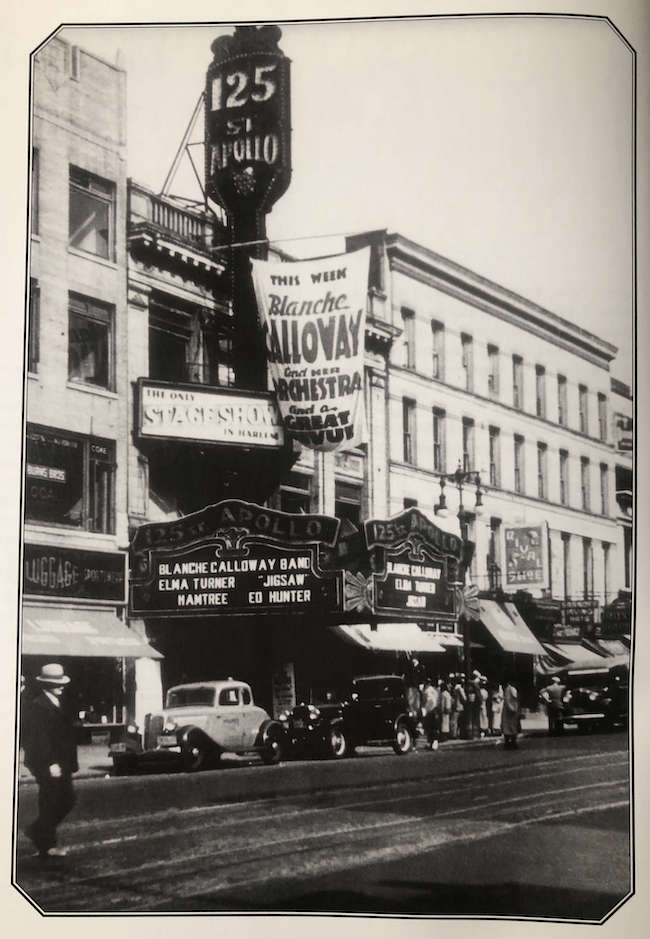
(553, 698)
(51, 756)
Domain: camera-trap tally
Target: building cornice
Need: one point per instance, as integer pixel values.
(430, 268)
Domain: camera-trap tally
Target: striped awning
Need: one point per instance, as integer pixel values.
(58, 631)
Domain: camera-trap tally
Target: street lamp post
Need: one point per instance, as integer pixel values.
(460, 478)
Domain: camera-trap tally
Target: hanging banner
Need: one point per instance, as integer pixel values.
(313, 314)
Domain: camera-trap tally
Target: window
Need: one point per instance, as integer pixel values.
(583, 415)
(35, 190)
(90, 342)
(540, 391)
(561, 401)
(519, 463)
(438, 440)
(495, 456)
(408, 338)
(518, 382)
(468, 444)
(295, 495)
(69, 479)
(33, 325)
(606, 576)
(408, 418)
(229, 697)
(468, 360)
(438, 338)
(604, 489)
(493, 371)
(410, 503)
(566, 563)
(584, 483)
(92, 213)
(347, 502)
(564, 477)
(542, 486)
(602, 416)
(587, 569)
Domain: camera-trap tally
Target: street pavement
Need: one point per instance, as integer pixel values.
(542, 831)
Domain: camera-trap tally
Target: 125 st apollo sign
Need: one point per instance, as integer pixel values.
(247, 121)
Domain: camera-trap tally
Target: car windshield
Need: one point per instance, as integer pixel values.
(374, 689)
(188, 697)
(595, 679)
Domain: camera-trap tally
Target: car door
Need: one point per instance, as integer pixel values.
(229, 718)
(251, 718)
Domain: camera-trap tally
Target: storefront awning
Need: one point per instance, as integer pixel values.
(509, 629)
(98, 633)
(614, 647)
(391, 637)
(577, 654)
(448, 640)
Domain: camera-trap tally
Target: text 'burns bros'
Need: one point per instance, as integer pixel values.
(247, 121)
(313, 313)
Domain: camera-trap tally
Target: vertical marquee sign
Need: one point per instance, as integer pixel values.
(247, 165)
(247, 121)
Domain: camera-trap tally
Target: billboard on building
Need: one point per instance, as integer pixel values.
(313, 315)
(526, 556)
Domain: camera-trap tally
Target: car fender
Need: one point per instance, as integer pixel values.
(267, 729)
(197, 735)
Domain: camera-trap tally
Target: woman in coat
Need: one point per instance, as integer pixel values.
(510, 715)
(445, 711)
(497, 708)
(484, 723)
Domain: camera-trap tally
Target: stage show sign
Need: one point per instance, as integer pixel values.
(313, 315)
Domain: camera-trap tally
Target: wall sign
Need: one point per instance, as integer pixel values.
(526, 553)
(247, 120)
(207, 415)
(234, 558)
(68, 573)
(414, 581)
(313, 314)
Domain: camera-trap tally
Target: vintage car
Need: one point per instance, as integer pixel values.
(595, 697)
(374, 710)
(199, 722)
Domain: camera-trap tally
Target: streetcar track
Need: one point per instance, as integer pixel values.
(235, 810)
(304, 842)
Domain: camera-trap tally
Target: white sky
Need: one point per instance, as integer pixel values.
(504, 144)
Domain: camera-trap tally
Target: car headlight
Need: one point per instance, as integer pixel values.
(283, 717)
(593, 696)
(567, 697)
(313, 712)
(169, 725)
(132, 728)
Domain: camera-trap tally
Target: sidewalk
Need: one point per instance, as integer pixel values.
(94, 760)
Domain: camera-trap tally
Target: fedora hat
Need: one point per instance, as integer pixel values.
(53, 674)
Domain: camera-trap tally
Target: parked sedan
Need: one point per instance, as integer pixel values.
(595, 697)
(374, 711)
(199, 722)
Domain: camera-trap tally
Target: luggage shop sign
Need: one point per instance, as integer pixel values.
(313, 315)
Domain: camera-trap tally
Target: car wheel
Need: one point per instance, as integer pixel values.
(123, 767)
(337, 743)
(403, 742)
(272, 752)
(195, 757)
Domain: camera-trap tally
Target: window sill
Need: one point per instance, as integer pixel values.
(92, 389)
(89, 256)
(35, 237)
(34, 376)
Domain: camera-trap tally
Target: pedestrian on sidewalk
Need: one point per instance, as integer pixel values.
(497, 708)
(484, 722)
(446, 702)
(431, 713)
(51, 757)
(511, 717)
(553, 698)
(458, 706)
